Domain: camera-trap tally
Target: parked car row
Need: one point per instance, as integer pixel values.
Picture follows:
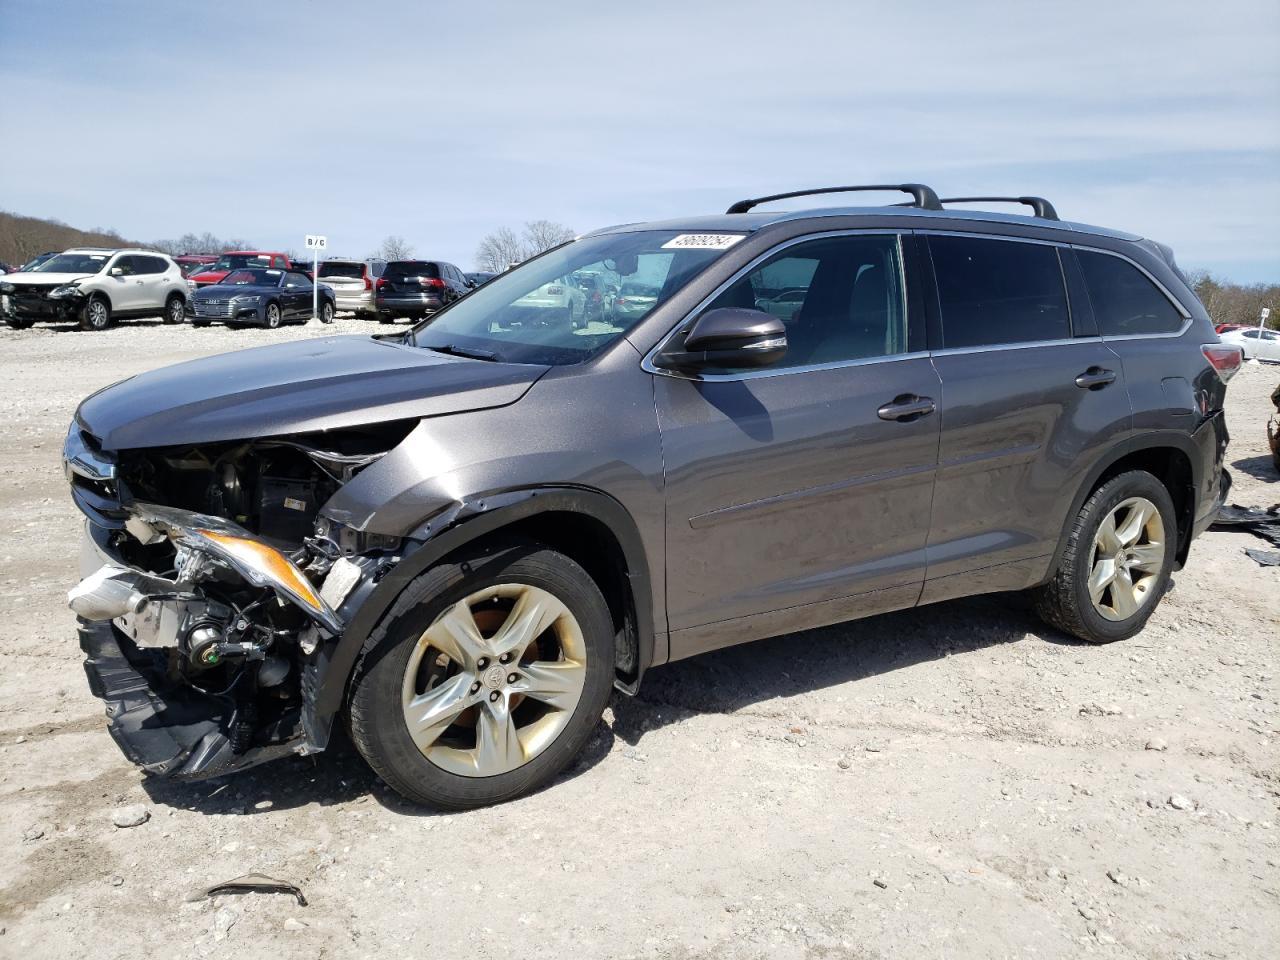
(94, 287)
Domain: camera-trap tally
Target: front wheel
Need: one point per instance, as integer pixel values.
(95, 315)
(1116, 563)
(173, 310)
(486, 678)
(273, 316)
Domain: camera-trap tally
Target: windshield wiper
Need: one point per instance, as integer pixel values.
(471, 353)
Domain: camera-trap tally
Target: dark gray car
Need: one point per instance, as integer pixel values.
(465, 534)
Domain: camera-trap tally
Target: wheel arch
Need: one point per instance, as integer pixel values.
(1171, 457)
(589, 526)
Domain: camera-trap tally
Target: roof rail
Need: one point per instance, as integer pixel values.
(922, 196)
(1041, 207)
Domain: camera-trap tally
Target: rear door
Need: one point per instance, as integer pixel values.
(1033, 397)
(152, 283)
(799, 493)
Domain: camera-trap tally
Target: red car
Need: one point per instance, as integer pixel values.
(238, 260)
(1228, 327)
(191, 263)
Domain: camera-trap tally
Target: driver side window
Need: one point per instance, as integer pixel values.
(840, 298)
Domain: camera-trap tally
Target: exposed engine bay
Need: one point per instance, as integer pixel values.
(211, 575)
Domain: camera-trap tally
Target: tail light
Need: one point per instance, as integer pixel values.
(435, 282)
(368, 284)
(620, 301)
(381, 283)
(1224, 359)
(554, 291)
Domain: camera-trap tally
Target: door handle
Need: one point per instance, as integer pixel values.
(906, 407)
(1095, 378)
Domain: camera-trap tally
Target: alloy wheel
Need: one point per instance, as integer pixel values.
(1127, 559)
(98, 314)
(494, 680)
(273, 316)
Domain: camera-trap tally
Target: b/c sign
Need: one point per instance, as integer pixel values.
(316, 242)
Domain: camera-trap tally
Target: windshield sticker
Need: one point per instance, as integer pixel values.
(703, 241)
(96, 257)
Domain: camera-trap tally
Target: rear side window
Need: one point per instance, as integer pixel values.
(151, 265)
(999, 291)
(411, 268)
(1125, 300)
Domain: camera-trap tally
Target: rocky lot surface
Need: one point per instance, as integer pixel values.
(953, 781)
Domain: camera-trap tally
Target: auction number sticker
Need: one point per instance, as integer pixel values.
(703, 241)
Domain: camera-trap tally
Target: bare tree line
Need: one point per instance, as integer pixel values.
(1229, 302)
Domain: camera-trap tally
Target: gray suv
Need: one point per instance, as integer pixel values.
(461, 536)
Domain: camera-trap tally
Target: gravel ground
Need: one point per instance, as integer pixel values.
(953, 781)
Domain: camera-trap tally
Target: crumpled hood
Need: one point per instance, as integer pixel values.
(20, 279)
(306, 385)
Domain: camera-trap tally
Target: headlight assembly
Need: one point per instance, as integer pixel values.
(64, 291)
(245, 299)
(260, 564)
(7, 288)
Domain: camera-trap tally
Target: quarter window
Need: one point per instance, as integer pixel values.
(840, 298)
(996, 292)
(1125, 300)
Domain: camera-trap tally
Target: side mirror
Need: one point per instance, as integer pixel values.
(730, 337)
(116, 272)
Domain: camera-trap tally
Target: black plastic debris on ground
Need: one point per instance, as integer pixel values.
(252, 883)
(1262, 523)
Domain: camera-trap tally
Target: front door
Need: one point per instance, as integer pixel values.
(125, 287)
(804, 486)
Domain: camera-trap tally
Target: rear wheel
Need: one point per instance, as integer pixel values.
(485, 679)
(1116, 563)
(326, 312)
(19, 323)
(386, 318)
(173, 310)
(273, 316)
(96, 314)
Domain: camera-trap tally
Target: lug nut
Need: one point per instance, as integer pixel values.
(493, 697)
(482, 662)
(505, 658)
(475, 686)
(512, 677)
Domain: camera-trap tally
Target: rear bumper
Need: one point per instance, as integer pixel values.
(1211, 441)
(355, 301)
(410, 304)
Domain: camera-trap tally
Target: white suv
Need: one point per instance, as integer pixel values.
(95, 287)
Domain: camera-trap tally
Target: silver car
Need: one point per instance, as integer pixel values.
(353, 284)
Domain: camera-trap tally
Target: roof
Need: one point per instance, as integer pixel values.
(757, 220)
(115, 250)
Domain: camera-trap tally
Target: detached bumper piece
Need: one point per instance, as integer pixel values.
(169, 729)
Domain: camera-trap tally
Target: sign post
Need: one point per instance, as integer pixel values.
(1262, 323)
(315, 244)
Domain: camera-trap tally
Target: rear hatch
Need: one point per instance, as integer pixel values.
(346, 277)
(410, 278)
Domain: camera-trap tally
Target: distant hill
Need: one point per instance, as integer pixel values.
(21, 238)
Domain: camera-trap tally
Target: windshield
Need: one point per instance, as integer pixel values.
(240, 278)
(234, 261)
(537, 313)
(74, 263)
(351, 271)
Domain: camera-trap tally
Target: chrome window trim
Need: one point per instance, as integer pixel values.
(1177, 305)
(1025, 345)
(647, 364)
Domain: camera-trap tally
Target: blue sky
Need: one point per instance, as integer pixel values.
(441, 122)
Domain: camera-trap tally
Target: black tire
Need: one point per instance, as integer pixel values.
(199, 323)
(272, 317)
(326, 312)
(95, 314)
(19, 323)
(174, 310)
(1064, 602)
(386, 318)
(375, 712)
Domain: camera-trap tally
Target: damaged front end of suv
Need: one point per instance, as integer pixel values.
(215, 589)
(211, 587)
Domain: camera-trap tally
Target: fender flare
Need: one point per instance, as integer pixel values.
(1154, 440)
(466, 523)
